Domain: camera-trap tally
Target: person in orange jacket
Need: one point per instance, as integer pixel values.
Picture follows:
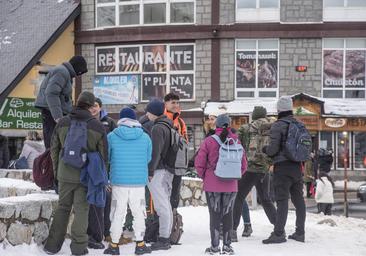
(172, 111)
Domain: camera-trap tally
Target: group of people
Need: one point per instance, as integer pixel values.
(134, 154)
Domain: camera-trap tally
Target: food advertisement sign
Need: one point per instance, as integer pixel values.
(333, 69)
(355, 69)
(245, 69)
(267, 69)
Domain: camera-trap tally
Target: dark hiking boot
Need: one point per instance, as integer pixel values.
(85, 252)
(247, 230)
(297, 237)
(141, 248)
(234, 236)
(112, 249)
(92, 244)
(49, 252)
(161, 244)
(275, 239)
(212, 250)
(228, 250)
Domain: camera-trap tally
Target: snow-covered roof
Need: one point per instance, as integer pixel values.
(331, 107)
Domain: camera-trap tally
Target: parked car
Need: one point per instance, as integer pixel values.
(361, 192)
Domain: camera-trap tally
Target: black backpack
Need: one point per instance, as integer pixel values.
(74, 152)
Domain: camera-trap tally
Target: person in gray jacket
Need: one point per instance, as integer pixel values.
(55, 94)
(161, 179)
(33, 147)
(287, 177)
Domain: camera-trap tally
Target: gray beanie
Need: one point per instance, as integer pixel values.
(284, 104)
(223, 120)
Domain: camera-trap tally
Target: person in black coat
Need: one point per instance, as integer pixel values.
(4, 152)
(325, 160)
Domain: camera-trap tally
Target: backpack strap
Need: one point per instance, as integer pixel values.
(217, 138)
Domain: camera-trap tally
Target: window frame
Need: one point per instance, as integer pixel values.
(354, 152)
(140, 72)
(350, 150)
(258, 13)
(344, 13)
(344, 50)
(256, 90)
(141, 4)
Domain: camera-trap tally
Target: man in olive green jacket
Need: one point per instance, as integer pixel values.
(72, 194)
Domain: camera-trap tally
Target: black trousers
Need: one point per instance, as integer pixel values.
(107, 212)
(220, 207)
(261, 182)
(175, 194)
(96, 223)
(286, 185)
(325, 208)
(49, 125)
(308, 187)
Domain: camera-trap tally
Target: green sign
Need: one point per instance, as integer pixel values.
(20, 113)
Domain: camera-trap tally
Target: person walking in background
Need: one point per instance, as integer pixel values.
(55, 94)
(287, 176)
(130, 150)
(72, 193)
(309, 175)
(324, 193)
(4, 152)
(254, 136)
(33, 147)
(220, 193)
(325, 160)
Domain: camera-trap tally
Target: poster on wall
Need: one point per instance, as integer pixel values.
(267, 69)
(182, 84)
(119, 89)
(106, 60)
(20, 113)
(355, 69)
(153, 86)
(181, 57)
(129, 59)
(245, 69)
(333, 68)
(154, 58)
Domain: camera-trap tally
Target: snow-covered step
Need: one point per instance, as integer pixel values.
(25, 217)
(21, 174)
(15, 187)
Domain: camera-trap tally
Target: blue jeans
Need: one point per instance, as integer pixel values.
(245, 213)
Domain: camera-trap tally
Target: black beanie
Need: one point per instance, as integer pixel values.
(79, 65)
(99, 101)
(85, 100)
(259, 112)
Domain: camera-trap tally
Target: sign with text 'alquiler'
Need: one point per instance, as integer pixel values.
(20, 113)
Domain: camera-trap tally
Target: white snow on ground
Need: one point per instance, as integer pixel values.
(17, 170)
(7, 182)
(30, 197)
(351, 185)
(348, 238)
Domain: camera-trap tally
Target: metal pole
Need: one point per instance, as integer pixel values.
(345, 163)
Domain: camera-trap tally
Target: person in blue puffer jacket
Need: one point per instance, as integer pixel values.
(130, 150)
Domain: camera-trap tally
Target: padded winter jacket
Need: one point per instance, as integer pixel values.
(324, 191)
(108, 123)
(31, 150)
(55, 93)
(205, 163)
(178, 123)
(129, 151)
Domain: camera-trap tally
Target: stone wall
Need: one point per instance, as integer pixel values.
(203, 12)
(87, 14)
(301, 10)
(227, 11)
(227, 69)
(294, 52)
(191, 192)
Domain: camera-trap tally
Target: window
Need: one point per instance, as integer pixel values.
(344, 62)
(343, 149)
(344, 10)
(359, 150)
(111, 13)
(257, 10)
(127, 74)
(256, 68)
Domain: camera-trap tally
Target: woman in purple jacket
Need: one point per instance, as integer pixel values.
(220, 194)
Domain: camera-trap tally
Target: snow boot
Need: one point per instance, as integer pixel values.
(92, 244)
(141, 248)
(297, 237)
(228, 250)
(275, 239)
(212, 250)
(161, 244)
(85, 252)
(247, 230)
(234, 236)
(112, 249)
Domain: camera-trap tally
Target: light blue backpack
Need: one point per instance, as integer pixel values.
(228, 166)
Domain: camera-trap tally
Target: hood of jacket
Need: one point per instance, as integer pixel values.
(172, 115)
(164, 119)
(70, 69)
(261, 125)
(37, 145)
(128, 133)
(81, 114)
(103, 113)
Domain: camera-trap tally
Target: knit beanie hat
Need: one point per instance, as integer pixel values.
(284, 104)
(155, 107)
(99, 101)
(79, 65)
(85, 100)
(259, 112)
(127, 113)
(223, 120)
